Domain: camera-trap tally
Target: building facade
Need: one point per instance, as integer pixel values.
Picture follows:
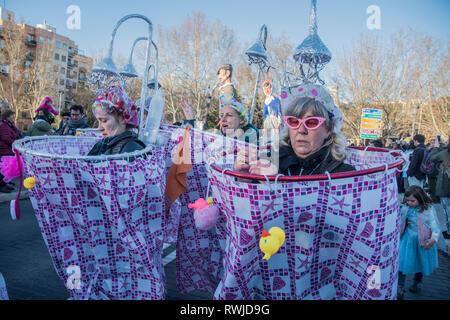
(68, 64)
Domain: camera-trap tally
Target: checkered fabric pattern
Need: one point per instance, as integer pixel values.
(103, 218)
(342, 237)
(199, 254)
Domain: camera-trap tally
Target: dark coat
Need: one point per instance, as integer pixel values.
(442, 160)
(74, 126)
(317, 163)
(7, 137)
(40, 128)
(416, 161)
(120, 143)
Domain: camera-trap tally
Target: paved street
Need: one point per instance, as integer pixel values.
(29, 273)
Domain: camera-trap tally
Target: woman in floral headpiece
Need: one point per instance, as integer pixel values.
(234, 122)
(117, 116)
(311, 142)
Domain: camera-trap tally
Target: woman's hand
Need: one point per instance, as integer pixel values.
(430, 243)
(263, 167)
(247, 161)
(244, 157)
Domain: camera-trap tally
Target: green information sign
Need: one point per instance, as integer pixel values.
(371, 123)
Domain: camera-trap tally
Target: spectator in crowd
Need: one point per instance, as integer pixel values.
(376, 143)
(63, 123)
(441, 156)
(4, 105)
(415, 175)
(409, 149)
(419, 232)
(433, 176)
(47, 104)
(77, 121)
(42, 124)
(7, 137)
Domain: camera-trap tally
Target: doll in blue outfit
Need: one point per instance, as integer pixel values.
(419, 234)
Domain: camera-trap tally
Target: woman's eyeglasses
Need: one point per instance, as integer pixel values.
(311, 123)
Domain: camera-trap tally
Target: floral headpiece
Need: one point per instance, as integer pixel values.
(115, 98)
(229, 100)
(316, 92)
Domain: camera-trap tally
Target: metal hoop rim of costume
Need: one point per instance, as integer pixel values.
(319, 177)
(20, 145)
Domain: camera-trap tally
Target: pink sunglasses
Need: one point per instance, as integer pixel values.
(311, 123)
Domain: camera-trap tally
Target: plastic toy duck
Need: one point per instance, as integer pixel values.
(271, 241)
(198, 204)
(29, 183)
(205, 213)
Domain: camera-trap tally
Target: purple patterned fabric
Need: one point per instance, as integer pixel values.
(105, 218)
(100, 220)
(199, 255)
(342, 236)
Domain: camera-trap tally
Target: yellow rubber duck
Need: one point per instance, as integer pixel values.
(29, 183)
(271, 241)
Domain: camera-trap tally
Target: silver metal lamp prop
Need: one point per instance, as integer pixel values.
(257, 55)
(106, 71)
(312, 54)
(129, 71)
(149, 133)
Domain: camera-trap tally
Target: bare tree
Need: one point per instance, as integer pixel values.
(189, 58)
(27, 78)
(401, 77)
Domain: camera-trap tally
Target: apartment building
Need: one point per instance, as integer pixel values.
(69, 63)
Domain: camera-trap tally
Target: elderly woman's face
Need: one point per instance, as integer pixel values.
(109, 124)
(230, 119)
(305, 142)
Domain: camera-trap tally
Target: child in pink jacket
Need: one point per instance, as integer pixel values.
(47, 105)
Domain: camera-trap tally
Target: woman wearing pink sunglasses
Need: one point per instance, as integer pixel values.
(309, 144)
